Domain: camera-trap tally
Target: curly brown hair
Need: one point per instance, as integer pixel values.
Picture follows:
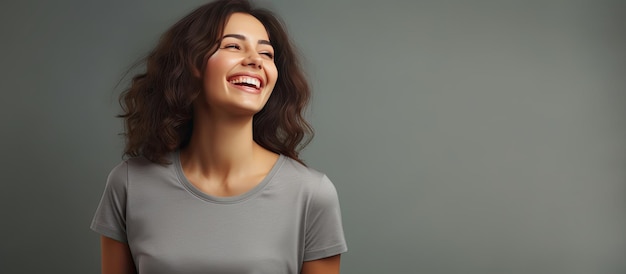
(157, 107)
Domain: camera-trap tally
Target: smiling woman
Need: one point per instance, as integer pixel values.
(241, 74)
(214, 183)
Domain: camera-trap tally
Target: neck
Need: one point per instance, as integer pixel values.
(220, 145)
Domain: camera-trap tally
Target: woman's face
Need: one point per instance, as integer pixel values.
(241, 74)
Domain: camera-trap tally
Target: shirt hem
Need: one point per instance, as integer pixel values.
(107, 232)
(324, 253)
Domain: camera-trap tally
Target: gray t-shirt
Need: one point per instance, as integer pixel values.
(171, 226)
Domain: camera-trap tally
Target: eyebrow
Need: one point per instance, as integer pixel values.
(241, 37)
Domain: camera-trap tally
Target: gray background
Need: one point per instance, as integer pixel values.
(462, 136)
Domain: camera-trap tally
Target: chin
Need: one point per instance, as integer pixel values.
(246, 110)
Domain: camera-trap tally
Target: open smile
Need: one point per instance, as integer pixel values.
(247, 82)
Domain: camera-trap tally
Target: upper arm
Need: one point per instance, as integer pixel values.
(110, 217)
(323, 227)
(116, 257)
(328, 265)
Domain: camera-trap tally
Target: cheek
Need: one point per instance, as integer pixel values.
(272, 72)
(214, 74)
(215, 66)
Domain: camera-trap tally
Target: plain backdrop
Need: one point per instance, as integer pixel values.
(462, 136)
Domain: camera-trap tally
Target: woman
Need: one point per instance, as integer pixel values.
(214, 183)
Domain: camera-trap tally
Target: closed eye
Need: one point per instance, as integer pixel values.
(268, 54)
(232, 46)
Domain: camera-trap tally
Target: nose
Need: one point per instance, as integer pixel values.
(253, 60)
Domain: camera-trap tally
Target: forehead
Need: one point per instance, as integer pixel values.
(247, 25)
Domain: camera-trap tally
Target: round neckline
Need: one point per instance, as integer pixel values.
(226, 199)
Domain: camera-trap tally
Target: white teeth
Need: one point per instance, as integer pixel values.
(246, 80)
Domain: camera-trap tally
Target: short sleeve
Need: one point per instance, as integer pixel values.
(110, 217)
(324, 231)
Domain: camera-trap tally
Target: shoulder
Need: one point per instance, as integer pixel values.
(140, 163)
(123, 171)
(298, 172)
(142, 166)
(118, 176)
(314, 183)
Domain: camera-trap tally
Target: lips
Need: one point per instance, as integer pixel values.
(246, 80)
